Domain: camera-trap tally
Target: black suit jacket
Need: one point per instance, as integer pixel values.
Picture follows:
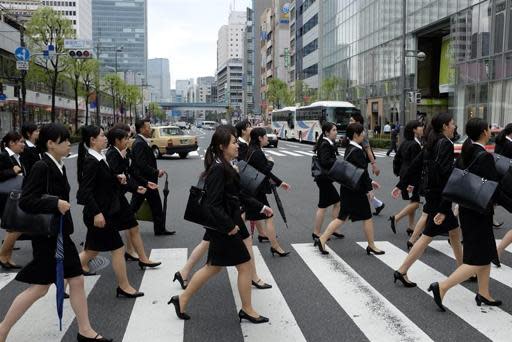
(259, 161)
(327, 155)
(99, 189)
(121, 165)
(6, 166)
(505, 149)
(242, 150)
(46, 178)
(29, 157)
(144, 161)
(358, 158)
(407, 152)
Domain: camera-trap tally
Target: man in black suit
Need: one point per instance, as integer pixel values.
(144, 167)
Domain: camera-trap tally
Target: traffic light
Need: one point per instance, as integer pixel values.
(80, 54)
(418, 98)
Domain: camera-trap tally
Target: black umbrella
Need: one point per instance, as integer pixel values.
(166, 193)
(279, 204)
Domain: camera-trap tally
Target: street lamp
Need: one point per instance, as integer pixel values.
(118, 49)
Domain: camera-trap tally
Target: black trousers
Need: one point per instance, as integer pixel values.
(392, 148)
(155, 203)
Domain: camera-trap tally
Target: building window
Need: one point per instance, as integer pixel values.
(311, 71)
(311, 47)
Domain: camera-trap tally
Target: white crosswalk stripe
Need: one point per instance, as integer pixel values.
(306, 153)
(274, 153)
(291, 153)
(377, 318)
(6, 278)
(459, 300)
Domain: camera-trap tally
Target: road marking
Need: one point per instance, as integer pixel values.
(152, 310)
(291, 153)
(502, 274)
(269, 303)
(41, 323)
(377, 318)
(306, 153)
(488, 320)
(193, 154)
(6, 278)
(274, 153)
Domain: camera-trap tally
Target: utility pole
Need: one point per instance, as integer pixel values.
(402, 75)
(23, 108)
(98, 85)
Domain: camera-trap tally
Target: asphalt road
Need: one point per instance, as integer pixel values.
(346, 295)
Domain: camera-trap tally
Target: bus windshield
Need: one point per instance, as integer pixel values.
(342, 118)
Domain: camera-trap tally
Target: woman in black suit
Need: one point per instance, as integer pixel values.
(48, 176)
(226, 247)
(257, 159)
(10, 166)
(99, 191)
(355, 204)
(120, 164)
(30, 154)
(477, 230)
(504, 148)
(434, 166)
(407, 152)
(326, 153)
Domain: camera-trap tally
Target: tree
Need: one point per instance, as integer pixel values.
(156, 111)
(48, 27)
(303, 93)
(112, 84)
(73, 71)
(279, 94)
(330, 88)
(133, 98)
(90, 77)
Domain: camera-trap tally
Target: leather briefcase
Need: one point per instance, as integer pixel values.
(346, 174)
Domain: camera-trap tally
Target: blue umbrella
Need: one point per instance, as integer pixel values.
(59, 278)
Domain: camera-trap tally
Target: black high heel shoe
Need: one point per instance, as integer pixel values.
(338, 235)
(392, 223)
(262, 238)
(481, 299)
(320, 247)
(143, 265)
(256, 320)
(400, 276)
(314, 236)
(496, 262)
(261, 287)
(409, 245)
(434, 288)
(370, 250)
(176, 302)
(409, 231)
(129, 257)
(179, 278)
(273, 250)
(121, 293)
(81, 338)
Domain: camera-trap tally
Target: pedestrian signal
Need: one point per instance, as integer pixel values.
(80, 54)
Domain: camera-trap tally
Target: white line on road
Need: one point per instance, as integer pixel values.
(6, 278)
(502, 274)
(291, 153)
(152, 309)
(269, 303)
(274, 153)
(40, 322)
(305, 153)
(488, 320)
(377, 318)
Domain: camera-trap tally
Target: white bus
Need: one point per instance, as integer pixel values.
(209, 125)
(309, 119)
(283, 122)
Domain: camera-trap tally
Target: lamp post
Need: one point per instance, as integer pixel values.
(118, 49)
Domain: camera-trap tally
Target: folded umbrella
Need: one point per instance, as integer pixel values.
(279, 204)
(166, 193)
(59, 278)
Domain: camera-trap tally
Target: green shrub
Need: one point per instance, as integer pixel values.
(75, 139)
(380, 143)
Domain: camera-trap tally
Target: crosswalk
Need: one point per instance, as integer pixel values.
(374, 312)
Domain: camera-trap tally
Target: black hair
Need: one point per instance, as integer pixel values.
(123, 126)
(326, 128)
(10, 137)
(27, 129)
(116, 134)
(140, 123)
(409, 129)
(474, 129)
(434, 130)
(354, 128)
(254, 144)
(502, 137)
(55, 132)
(357, 118)
(87, 133)
(242, 126)
(221, 137)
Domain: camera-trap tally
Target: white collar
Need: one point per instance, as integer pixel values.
(508, 138)
(243, 140)
(96, 155)
(353, 143)
(329, 140)
(60, 164)
(417, 140)
(145, 139)
(29, 143)
(477, 143)
(118, 150)
(11, 153)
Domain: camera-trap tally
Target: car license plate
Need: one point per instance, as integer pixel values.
(184, 141)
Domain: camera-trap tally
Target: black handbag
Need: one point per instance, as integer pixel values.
(11, 184)
(196, 210)
(503, 164)
(16, 220)
(251, 179)
(316, 168)
(470, 190)
(345, 173)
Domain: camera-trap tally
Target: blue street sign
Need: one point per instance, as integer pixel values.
(51, 48)
(3, 97)
(22, 54)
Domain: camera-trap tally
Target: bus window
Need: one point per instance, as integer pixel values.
(290, 121)
(342, 118)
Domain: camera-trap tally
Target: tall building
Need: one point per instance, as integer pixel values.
(120, 32)
(230, 43)
(79, 12)
(182, 87)
(230, 85)
(258, 6)
(159, 78)
(248, 100)
(204, 89)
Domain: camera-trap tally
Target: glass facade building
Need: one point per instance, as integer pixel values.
(467, 71)
(121, 24)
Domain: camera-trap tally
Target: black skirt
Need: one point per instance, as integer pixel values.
(413, 198)
(41, 270)
(125, 218)
(103, 239)
(477, 232)
(354, 205)
(227, 250)
(253, 215)
(449, 223)
(328, 195)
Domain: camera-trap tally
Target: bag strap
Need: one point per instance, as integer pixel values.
(479, 154)
(247, 162)
(348, 155)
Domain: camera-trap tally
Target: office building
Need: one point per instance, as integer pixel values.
(230, 85)
(230, 43)
(258, 6)
(182, 89)
(204, 89)
(249, 55)
(159, 79)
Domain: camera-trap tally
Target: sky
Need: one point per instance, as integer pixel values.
(185, 32)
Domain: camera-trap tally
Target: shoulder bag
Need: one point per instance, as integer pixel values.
(346, 173)
(470, 190)
(503, 164)
(251, 179)
(196, 210)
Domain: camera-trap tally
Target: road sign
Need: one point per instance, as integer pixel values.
(22, 54)
(76, 44)
(22, 65)
(3, 97)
